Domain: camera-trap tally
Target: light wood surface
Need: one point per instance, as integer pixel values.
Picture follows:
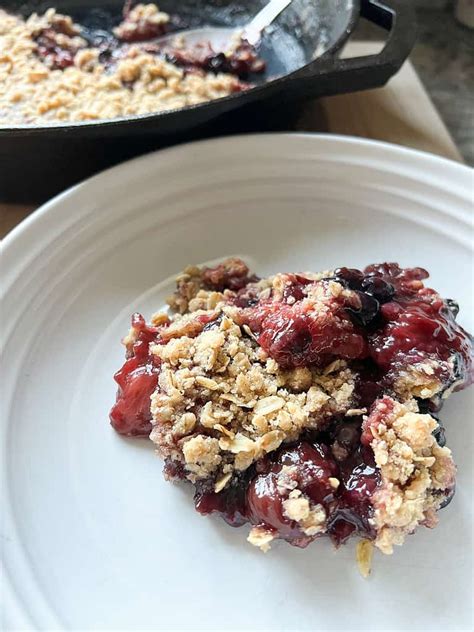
(401, 113)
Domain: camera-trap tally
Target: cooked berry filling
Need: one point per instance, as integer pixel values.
(231, 504)
(339, 475)
(294, 332)
(58, 44)
(241, 61)
(137, 379)
(388, 314)
(417, 323)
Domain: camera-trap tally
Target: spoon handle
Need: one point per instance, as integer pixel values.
(264, 18)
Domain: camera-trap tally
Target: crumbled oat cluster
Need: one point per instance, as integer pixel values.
(415, 477)
(303, 404)
(50, 73)
(219, 392)
(415, 470)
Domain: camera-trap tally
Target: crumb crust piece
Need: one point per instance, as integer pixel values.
(219, 392)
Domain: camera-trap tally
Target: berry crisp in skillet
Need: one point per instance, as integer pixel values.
(55, 70)
(303, 404)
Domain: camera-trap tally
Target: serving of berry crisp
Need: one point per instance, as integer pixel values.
(303, 404)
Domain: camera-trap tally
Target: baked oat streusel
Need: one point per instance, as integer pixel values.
(54, 70)
(304, 404)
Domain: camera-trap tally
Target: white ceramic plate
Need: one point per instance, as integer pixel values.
(93, 537)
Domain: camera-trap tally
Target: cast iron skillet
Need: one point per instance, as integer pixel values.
(301, 51)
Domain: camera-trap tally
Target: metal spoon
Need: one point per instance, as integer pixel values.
(222, 38)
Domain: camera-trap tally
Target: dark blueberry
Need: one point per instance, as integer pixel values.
(246, 297)
(378, 288)
(457, 378)
(452, 306)
(368, 311)
(172, 58)
(105, 56)
(432, 407)
(436, 404)
(448, 499)
(212, 324)
(427, 407)
(350, 277)
(245, 300)
(439, 435)
(300, 342)
(348, 435)
(173, 470)
(341, 525)
(459, 368)
(99, 39)
(345, 439)
(217, 63)
(424, 406)
(240, 67)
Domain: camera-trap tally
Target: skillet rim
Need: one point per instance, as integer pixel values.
(126, 121)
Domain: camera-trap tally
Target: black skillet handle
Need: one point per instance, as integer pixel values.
(359, 73)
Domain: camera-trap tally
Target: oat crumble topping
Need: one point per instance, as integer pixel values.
(50, 73)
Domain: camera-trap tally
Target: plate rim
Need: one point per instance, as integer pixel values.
(28, 222)
(15, 610)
